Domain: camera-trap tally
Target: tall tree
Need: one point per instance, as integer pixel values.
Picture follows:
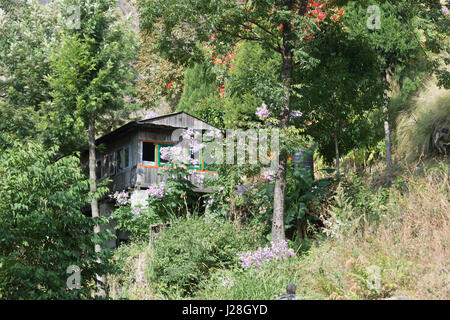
(92, 73)
(28, 37)
(43, 229)
(339, 91)
(277, 25)
(200, 83)
(400, 32)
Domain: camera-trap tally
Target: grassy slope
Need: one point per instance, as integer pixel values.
(405, 252)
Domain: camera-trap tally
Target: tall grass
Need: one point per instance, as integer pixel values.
(129, 281)
(415, 124)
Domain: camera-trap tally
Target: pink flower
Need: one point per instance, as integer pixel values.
(157, 191)
(150, 114)
(120, 197)
(165, 153)
(277, 251)
(262, 112)
(296, 114)
(137, 211)
(198, 178)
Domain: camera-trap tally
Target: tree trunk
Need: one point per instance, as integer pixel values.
(278, 202)
(336, 148)
(387, 137)
(387, 132)
(278, 233)
(93, 188)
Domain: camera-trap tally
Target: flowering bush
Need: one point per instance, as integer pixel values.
(136, 220)
(158, 190)
(120, 197)
(263, 111)
(241, 190)
(166, 201)
(259, 257)
(186, 253)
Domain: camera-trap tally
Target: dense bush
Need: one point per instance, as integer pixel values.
(264, 283)
(403, 251)
(43, 230)
(187, 252)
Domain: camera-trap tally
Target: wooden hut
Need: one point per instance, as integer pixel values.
(130, 156)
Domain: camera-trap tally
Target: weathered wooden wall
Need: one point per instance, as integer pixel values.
(126, 178)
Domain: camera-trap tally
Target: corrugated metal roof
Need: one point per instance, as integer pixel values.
(144, 123)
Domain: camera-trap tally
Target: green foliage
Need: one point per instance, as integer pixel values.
(253, 80)
(362, 158)
(25, 46)
(396, 40)
(402, 252)
(138, 225)
(266, 283)
(339, 92)
(357, 204)
(199, 83)
(302, 191)
(225, 202)
(178, 199)
(407, 33)
(380, 262)
(92, 70)
(200, 95)
(211, 110)
(45, 66)
(128, 280)
(186, 253)
(156, 73)
(43, 228)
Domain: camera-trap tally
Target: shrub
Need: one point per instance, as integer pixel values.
(128, 281)
(264, 283)
(166, 201)
(276, 251)
(43, 230)
(187, 252)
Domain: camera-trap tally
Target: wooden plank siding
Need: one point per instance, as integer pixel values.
(157, 130)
